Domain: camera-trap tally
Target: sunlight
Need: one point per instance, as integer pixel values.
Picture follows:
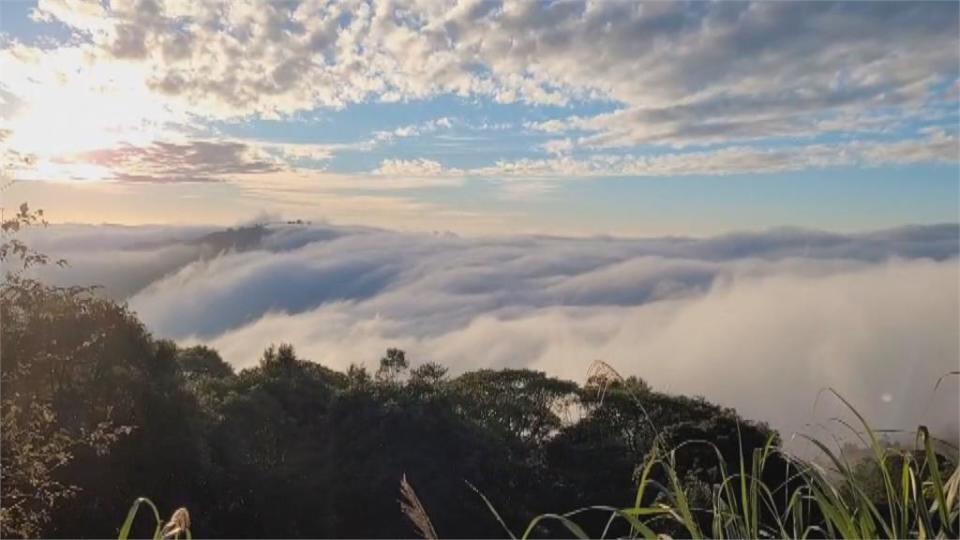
(50, 170)
(75, 106)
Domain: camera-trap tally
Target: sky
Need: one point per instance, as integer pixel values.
(482, 117)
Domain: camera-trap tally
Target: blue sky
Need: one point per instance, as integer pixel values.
(625, 118)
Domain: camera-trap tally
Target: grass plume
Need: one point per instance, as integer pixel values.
(411, 507)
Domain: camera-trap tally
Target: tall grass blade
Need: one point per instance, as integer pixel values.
(936, 480)
(132, 514)
(493, 511)
(575, 529)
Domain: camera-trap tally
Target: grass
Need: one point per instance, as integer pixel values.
(177, 525)
(411, 507)
(916, 499)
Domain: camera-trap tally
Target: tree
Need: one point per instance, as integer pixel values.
(36, 444)
(392, 365)
(201, 361)
(428, 374)
(525, 405)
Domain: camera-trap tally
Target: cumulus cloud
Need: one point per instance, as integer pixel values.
(684, 72)
(412, 130)
(198, 160)
(257, 163)
(726, 83)
(193, 161)
(410, 167)
(759, 321)
(936, 147)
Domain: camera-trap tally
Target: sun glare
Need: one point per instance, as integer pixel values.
(73, 112)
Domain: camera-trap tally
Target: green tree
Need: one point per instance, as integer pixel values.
(202, 361)
(392, 366)
(36, 443)
(527, 406)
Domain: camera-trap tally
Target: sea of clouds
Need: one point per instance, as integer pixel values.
(758, 321)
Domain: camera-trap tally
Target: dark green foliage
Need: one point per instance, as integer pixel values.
(50, 350)
(392, 365)
(201, 361)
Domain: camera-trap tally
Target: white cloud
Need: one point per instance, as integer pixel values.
(937, 147)
(684, 72)
(411, 167)
(413, 130)
(190, 161)
(758, 321)
(558, 146)
(255, 163)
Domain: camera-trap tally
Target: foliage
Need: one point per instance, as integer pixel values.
(13, 251)
(911, 497)
(39, 436)
(201, 362)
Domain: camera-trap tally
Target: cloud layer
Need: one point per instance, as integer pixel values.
(759, 321)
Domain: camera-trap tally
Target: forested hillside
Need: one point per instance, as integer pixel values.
(290, 448)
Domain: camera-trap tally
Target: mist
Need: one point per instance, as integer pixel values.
(760, 321)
